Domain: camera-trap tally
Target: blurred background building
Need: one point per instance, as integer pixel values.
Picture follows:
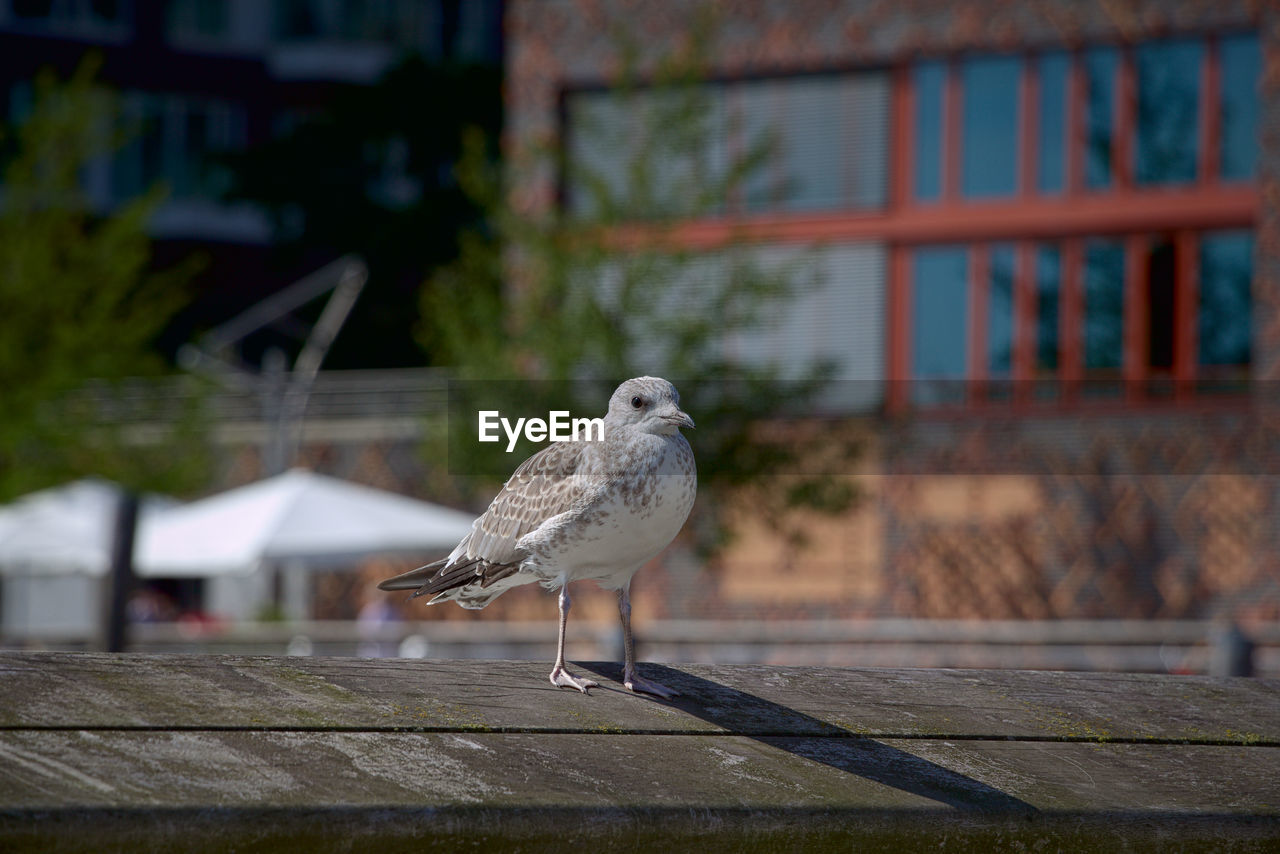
(213, 93)
(1050, 271)
(1053, 275)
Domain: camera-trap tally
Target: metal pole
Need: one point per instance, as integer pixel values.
(121, 578)
(1231, 652)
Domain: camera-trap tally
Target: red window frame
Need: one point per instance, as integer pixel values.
(1071, 377)
(1122, 211)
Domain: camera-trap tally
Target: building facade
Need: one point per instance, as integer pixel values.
(1056, 282)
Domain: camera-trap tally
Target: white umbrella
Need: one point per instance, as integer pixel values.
(66, 530)
(298, 517)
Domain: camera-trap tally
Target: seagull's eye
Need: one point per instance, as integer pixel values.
(637, 402)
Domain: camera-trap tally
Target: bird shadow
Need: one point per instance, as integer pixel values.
(810, 738)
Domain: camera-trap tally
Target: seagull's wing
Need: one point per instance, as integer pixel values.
(543, 487)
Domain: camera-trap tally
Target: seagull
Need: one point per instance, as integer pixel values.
(595, 509)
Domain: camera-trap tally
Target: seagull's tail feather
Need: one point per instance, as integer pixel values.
(469, 582)
(412, 579)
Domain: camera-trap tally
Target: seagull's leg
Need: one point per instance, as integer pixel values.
(631, 679)
(560, 677)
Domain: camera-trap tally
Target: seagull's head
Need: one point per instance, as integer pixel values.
(648, 404)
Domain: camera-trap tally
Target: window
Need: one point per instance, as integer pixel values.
(1226, 301)
(1161, 289)
(634, 155)
(833, 316)
(1103, 307)
(72, 17)
(1048, 286)
(1052, 138)
(989, 140)
(826, 137)
(174, 139)
(1125, 320)
(200, 20)
(930, 78)
(1103, 119)
(756, 104)
(1238, 104)
(940, 306)
(408, 23)
(1151, 144)
(1058, 218)
(1000, 273)
(1099, 115)
(1168, 111)
(808, 156)
(820, 142)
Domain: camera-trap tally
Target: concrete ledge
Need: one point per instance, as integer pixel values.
(101, 752)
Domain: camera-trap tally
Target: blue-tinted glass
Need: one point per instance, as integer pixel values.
(1226, 298)
(1241, 67)
(1168, 111)
(1048, 291)
(990, 127)
(929, 80)
(1000, 312)
(1100, 76)
(940, 301)
(1054, 70)
(1104, 306)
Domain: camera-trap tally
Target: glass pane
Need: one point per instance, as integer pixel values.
(1104, 306)
(866, 146)
(812, 144)
(154, 144)
(195, 147)
(1226, 299)
(1161, 286)
(675, 151)
(989, 147)
(1048, 300)
(1241, 68)
(1168, 111)
(940, 311)
(1054, 69)
(1100, 75)
(758, 101)
(929, 80)
(599, 126)
(1000, 312)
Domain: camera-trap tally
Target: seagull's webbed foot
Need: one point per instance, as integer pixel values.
(562, 678)
(637, 683)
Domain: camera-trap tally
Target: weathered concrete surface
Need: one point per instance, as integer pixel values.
(208, 752)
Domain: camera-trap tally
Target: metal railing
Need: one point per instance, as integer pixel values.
(1153, 646)
(335, 395)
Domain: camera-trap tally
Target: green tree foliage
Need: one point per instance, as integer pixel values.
(585, 294)
(371, 173)
(78, 305)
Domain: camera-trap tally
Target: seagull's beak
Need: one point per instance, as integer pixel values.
(678, 417)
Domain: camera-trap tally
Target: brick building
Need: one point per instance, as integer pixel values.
(1056, 283)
